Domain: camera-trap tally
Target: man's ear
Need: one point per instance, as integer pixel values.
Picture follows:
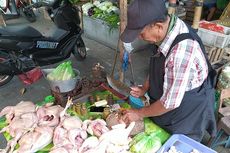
(159, 25)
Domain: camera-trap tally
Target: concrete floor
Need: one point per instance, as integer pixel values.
(10, 93)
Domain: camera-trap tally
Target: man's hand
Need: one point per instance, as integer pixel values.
(131, 115)
(137, 91)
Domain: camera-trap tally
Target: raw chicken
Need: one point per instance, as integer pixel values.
(68, 104)
(112, 148)
(66, 140)
(77, 137)
(96, 127)
(49, 116)
(115, 118)
(24, 122)
(59, 150)
(18, 127)
(72, 122)
(89, 144)
(119, 135)
(36, 140)
(100, 148)
(16, 111)
(60, 138)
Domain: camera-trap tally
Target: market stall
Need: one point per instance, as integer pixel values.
(89, 121)
(85, 114)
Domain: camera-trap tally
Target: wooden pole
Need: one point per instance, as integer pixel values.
(2, 21)
(123, 23)
(172, 7)
(197, 13)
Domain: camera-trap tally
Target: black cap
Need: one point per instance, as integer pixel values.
(140, 14)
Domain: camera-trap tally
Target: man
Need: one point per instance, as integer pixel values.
(180, 82)
(211, 6)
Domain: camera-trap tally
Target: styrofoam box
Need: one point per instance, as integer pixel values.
(184, 144)
(215, 39)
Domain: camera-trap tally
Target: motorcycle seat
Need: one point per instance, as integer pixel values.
(56, 34)
(20, 31)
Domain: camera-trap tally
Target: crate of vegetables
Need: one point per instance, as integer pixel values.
(213, 34)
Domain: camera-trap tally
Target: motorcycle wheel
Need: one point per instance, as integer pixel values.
(79, 50)
(29, 14)
(4, 79)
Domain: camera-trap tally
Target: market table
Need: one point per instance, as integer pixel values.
(153, 136)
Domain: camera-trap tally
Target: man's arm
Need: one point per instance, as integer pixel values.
(155, 109)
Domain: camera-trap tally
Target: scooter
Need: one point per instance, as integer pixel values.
(12, 8)
(25, 48)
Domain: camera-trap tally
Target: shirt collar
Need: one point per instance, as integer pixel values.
(171, 35)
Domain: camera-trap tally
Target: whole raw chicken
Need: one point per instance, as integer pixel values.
(36, 140)
(49, 116)
(89, 144)
(96, 127)
(18, 127)
(68, 135)
(22, 123)
(15, 111)
(72, 122)
(77, 137)
(118, 135)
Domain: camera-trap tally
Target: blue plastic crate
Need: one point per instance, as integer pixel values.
(184, 144)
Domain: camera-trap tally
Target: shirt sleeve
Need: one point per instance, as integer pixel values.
(177, 71)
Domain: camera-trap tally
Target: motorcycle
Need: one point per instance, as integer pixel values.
(15, 7)
(25, 48)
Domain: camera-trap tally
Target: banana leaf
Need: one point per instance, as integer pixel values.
(3, 122)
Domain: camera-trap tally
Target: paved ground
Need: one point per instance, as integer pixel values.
(10, 93)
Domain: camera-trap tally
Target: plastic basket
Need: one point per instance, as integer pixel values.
(136, 102)
(212, 38)
(184, 144)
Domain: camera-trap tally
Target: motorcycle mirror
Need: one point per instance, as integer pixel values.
(3, 4)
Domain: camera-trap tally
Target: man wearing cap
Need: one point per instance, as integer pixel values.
(181, 79)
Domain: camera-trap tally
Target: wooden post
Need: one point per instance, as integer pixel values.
(2, 21)
(123, 23)
(197, 13)
(172, 7)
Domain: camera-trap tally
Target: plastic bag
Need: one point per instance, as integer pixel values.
(149, 141)
(31, 76)
(146, 144)
(64, 71)
(155, 131)
(68, 73)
